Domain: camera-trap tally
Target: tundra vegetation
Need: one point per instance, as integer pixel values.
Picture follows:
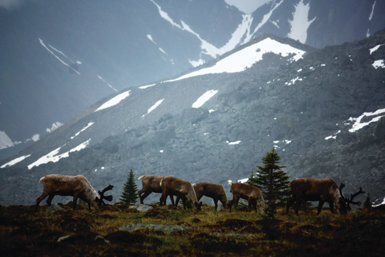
(174, 231)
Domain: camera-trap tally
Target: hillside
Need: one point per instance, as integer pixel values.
(60, 57)
(321, 109)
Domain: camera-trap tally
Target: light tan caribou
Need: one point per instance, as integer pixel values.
(250, 193)
(76, 186)
(181, 188)
(151, 184)
(212, 190)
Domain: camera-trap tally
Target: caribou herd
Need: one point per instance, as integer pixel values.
(302, 190)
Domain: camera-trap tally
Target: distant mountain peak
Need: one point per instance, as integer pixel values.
(246, 57)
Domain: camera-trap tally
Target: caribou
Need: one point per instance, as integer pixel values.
(151, 184)
(212, 190)
(321, 190)
(248, 192)
(76, 186)
(182, 188)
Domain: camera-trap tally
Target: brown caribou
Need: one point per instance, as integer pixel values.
(212, 190)
(316, 189)
(151, 184)
(248, 192)
(76, 186)
(182, 188)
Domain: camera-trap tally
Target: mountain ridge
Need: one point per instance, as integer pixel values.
(115, 45)
(297, 107)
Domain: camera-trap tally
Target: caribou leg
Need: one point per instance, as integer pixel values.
(320, 204)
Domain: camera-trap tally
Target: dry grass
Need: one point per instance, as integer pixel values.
(24, 232)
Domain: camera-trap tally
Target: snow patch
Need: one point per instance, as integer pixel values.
(5, 141)
(358, 124)
(241, 34)
(300, 23)
(196, 63)
(233, 142)
(371, 13)
(162, 51)
(383, 202)
(34, 138)
(373, 49)
(265, 19)
(108, 84)
(275, 23)
(114, 101)
(83, 129)
(334, 136)
(150, 38)
(15, 161)
(243, 180)
(246, 58)
(378, 64)
(147, 86)
(204, 98)
(153, 107)
(54, 126)
(293, 81)
(51, 50)
(54, 155)
(284, 141)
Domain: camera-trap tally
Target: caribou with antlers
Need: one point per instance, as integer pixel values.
(321, 190)
(76, 186)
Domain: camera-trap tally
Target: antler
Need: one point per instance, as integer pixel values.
(350, 201)
(342, 185)
(107, 188)
(107, 197)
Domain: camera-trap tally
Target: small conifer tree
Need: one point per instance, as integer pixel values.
(129, 194)
(273, 182)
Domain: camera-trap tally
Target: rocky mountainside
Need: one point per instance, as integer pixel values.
(60, 57)
(322, 110)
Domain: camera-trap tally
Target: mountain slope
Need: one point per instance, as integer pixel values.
(59, 57)
(323, 113)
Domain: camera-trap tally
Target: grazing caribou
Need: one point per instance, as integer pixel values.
(248, 192)
(183, 189)
(316, 189)
(215, 191)
(150, 184)
(76, 186)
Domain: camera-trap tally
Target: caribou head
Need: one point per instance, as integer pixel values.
(345, 202)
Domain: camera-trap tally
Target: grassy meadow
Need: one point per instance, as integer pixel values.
(117, 230)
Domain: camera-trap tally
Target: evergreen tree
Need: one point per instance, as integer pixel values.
(129, 194)
(273, 182)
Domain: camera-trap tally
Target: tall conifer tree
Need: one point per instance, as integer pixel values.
(129, 194)
(273, 182)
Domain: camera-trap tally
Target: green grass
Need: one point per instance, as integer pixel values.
(24, 232)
